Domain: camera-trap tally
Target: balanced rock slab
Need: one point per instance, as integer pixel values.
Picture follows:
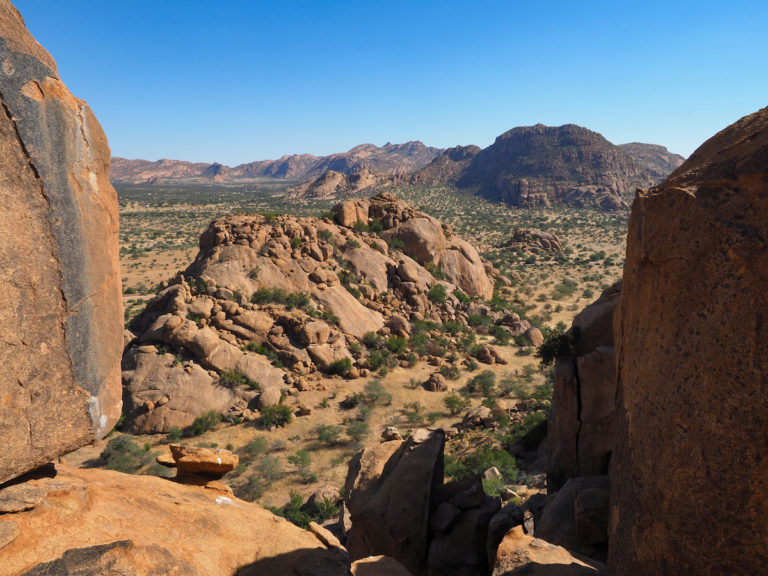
(60, 296)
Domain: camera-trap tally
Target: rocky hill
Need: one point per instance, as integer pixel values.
(279, 300)
(447, 168)
(541, 165)
(656, 160)
(332, 184)
(387, 159)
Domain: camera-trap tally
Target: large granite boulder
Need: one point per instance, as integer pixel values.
(390, 493)
(689, 471)
(99, 522)
(60, 299)
(582, 421)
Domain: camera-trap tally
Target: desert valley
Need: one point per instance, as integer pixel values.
(544, 356)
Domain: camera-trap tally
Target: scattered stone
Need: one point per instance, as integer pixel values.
(390, 433)
(436, 383)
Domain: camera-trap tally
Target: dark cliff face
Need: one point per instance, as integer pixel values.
(541, 165)
(689, 473)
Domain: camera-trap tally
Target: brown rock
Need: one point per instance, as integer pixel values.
(391, 517)
(581, 423)
(61, 302)
(691, 339)
(213, 462)
(314, 333)
(350, 212)
(576, 517)
(177, 394)
(270, 396)
(436, 383)
(105, 522)
(379, 566)
(534, 337)
(520, 554)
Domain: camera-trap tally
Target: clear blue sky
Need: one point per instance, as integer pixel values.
(236, 81)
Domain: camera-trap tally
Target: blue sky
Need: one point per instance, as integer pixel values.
(236, 81)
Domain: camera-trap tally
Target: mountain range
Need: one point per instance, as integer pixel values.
(526, 166)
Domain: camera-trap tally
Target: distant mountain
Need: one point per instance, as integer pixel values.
(542, 165)
(656, 160)
(447, 168)
(388, 159)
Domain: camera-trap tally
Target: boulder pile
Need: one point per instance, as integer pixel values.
(272, 301)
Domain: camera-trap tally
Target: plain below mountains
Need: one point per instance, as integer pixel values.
(527, 166)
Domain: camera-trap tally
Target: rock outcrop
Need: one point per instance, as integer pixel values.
(400, 506)
(61, 305)
(332, 184)
(271, 300)
(542, 165)
(582, 422)
(535, 241)
(689, 471)
(97, 522)
(656, 160)
(389, 494)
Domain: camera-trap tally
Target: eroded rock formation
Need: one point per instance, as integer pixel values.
(275, 299)
(60, 300)
(689, 472)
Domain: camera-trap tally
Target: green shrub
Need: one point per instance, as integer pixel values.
(396, 344)
(341, 366)
(372, 340)
(395, 243)
(461, 296)
(482, 384)
(279, 296)
(450, 371)
(252, 490)
(292, 511)
(437, 294)
(328, 434)
(255, 447)
(203, 424)
(478, 461)
(456, 403)
(270, 469)
(501, 337)
(326, 508)
(125, 455)
(302, 460)
(278, 415)
(352, 243)
(296, 242)
(325, 235)
(556, 344)
(358, 430)
(174, 434)
(233, 379)
(493, 487)
(375, 393)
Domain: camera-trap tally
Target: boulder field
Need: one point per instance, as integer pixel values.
(277, 300)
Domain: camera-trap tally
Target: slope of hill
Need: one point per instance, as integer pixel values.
(654, 159)
(541, 165)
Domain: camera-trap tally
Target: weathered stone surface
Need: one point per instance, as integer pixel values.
(523, 555)
(390, 515)
(104, 522)
(576, 517)
(691, 458)
(379, 566)
(60, 300)
(213, 462)
(159, 392)
(581, 425)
